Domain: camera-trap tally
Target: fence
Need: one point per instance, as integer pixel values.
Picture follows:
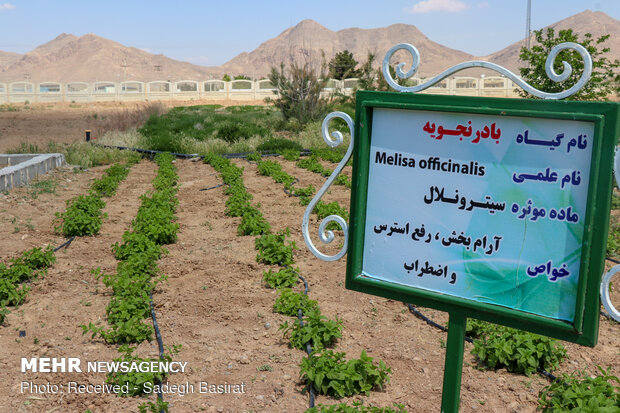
(242, 90)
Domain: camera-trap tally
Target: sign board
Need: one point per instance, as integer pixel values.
(496, 209)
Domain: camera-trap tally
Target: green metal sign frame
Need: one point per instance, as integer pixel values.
(583, 329)
(606, 119)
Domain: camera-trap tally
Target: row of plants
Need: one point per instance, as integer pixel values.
(326, 371)
(312, 164)
(521, 352)
(503, 347)
(30, 265)
(322, 209)
(137, 275)
(83, 215)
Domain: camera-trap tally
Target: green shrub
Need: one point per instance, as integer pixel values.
(318, 330)
(290, 154)
(330, 374)
(324, 210)
(135, 381)
(255, 156)
(253, 223)
(278, 145)
(357, 407)
(284, 278)
(516, 350)
(82, 217)
(578, 392)
(290, 301)
(273, 249)
(136, 243)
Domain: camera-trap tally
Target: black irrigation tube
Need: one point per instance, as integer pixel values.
(212, 187)
(289, 193)
(612, 259)
(151, 152)
(160, 343)
(66, 244)
(300, 316)
(430, 322)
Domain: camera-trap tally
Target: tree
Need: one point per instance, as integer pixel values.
(605, 78)
(226, 77)
(299, 92)
(342, 66)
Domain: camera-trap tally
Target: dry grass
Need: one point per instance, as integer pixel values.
(126, 119)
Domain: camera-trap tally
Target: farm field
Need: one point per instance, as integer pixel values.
(215, 304)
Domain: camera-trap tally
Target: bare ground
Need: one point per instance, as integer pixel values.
(215, 305)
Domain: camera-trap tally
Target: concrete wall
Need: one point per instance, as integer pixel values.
(18, 170)
(241, 90)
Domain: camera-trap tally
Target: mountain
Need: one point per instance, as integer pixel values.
(595, 23)
(8, 58)
(307, 40)
(91, 58)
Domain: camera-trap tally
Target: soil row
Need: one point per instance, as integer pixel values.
(215, 306)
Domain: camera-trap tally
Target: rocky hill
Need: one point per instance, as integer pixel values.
(91, 58)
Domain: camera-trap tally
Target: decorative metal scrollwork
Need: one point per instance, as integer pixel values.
(605, 297)
(585, 76)
(327, 236)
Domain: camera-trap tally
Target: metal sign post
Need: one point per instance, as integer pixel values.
(494, 209)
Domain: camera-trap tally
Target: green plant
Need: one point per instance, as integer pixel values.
(605, 79)
(290, 154)
(253, 223)
(516, 350)
(254, 156)
(82, 217)
(42, 186)
(284, 278)
(318, 330)
(290, 301)
(613, 238)
(342, 66)
(299, 92)
(273, 249)
(324, 210)
(137, 273)
(304, 194)
(30, 265)
(135, 383)
(278, 145)
(330, 374)
(157, 407)
(264, 367)
(357, 407)
(579, 392)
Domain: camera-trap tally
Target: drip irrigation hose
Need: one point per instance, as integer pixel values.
(613, 260)
(290, 193)
(212, 187)
(430, 322)
(150, 152)
(160, 343)
(301, 324)
(65, 245)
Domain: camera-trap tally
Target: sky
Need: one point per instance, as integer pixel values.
(210, 33)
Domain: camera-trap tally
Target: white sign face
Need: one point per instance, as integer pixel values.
(483, 207)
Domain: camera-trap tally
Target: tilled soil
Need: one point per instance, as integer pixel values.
(215, 305)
